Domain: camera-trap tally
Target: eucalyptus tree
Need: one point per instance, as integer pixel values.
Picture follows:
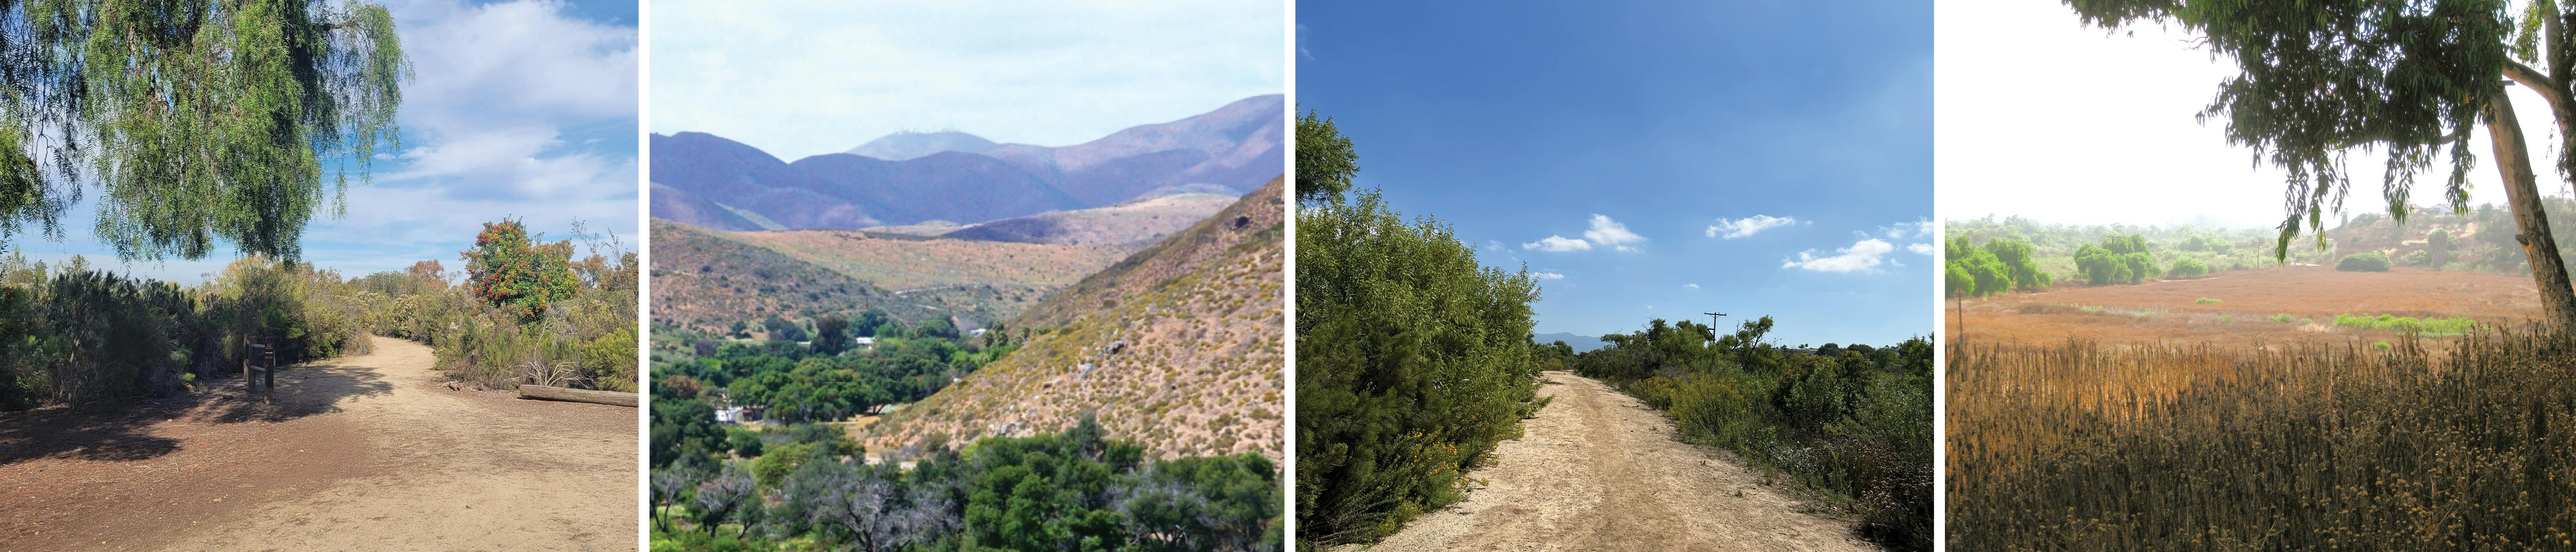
(197, 121)
(2322, 79)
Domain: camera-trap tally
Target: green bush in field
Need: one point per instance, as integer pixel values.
(2433, 326)
(2369, 261)
(2205, 301)
(2187, 269)
(2284, 318)
(2118, 259)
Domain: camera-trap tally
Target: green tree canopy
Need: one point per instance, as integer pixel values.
(199, 121)
(2413, 78)
(1325, 159)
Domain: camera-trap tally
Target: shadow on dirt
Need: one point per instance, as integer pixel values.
(122, 431)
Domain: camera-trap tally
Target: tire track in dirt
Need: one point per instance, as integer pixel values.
(1598, 471)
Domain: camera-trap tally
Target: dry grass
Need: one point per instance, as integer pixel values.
(909, 262)
(2318, 445)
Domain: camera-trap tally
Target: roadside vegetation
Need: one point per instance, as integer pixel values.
(1852, 424)
(73, 334)
(1413, 359)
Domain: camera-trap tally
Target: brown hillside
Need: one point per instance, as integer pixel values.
(707, 280)
(1259, 216)
(1183, 343)
(1138, 222)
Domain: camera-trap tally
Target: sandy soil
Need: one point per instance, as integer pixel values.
(359, 453)
(1597, 470)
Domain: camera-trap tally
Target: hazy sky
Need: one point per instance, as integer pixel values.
(2044, 117)
(806, 78)
(1654, 160)
(521, 109)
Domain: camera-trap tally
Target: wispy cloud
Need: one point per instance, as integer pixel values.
(1920, 248)
(1862, 256)
(1691, 286)
(1557, 243)
(1902, 230)
(1547, 275)
(1747, 226)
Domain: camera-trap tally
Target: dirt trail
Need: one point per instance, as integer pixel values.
(1598, 471)
(360, 453)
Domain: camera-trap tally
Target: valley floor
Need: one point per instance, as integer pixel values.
(359, 453)
(1598, 471)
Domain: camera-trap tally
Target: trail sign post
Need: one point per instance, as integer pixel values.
(259, 361)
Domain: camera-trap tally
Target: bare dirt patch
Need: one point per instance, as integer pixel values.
(359, 453)
(1598, 471)
(2171, 311)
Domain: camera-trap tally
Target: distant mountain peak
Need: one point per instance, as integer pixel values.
(908, 145)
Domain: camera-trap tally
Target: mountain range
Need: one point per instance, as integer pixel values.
(908, 178)
(1580, 343)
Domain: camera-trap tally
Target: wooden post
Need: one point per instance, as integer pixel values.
(271, 353)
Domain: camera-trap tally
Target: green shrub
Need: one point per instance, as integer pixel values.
(2187, 269)
(2205, 301)
(2284, 318)
(2370, 261)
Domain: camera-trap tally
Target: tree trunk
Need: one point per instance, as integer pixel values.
(576, 395)
(2521, 189)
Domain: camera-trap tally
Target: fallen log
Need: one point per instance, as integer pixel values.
(576, 395)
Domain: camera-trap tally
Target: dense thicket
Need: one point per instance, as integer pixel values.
(816, 381)
(1853, 422)
(806, 487)
(71, 335)
(1413, 360)
(2079, 446)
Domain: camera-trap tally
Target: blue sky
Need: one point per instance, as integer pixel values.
(808, 78)
(522, 109)
(1655, 160)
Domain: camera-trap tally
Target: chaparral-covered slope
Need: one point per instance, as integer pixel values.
(1179, 347)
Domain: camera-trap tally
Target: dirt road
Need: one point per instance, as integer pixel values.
(1598, 471)
(359, 453)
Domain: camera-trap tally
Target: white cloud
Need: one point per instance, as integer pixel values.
(1611, 234)
(1747, 226)
(1864, 255)
(1493, 245)
(1921, 227)
(1547, 275)
(1557, 243)
(1692, 286)
(1920, 248)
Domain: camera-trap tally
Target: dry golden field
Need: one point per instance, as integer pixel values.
(2171, 311)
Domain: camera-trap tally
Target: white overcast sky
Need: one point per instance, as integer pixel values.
(805, 78)
(2041, 116)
